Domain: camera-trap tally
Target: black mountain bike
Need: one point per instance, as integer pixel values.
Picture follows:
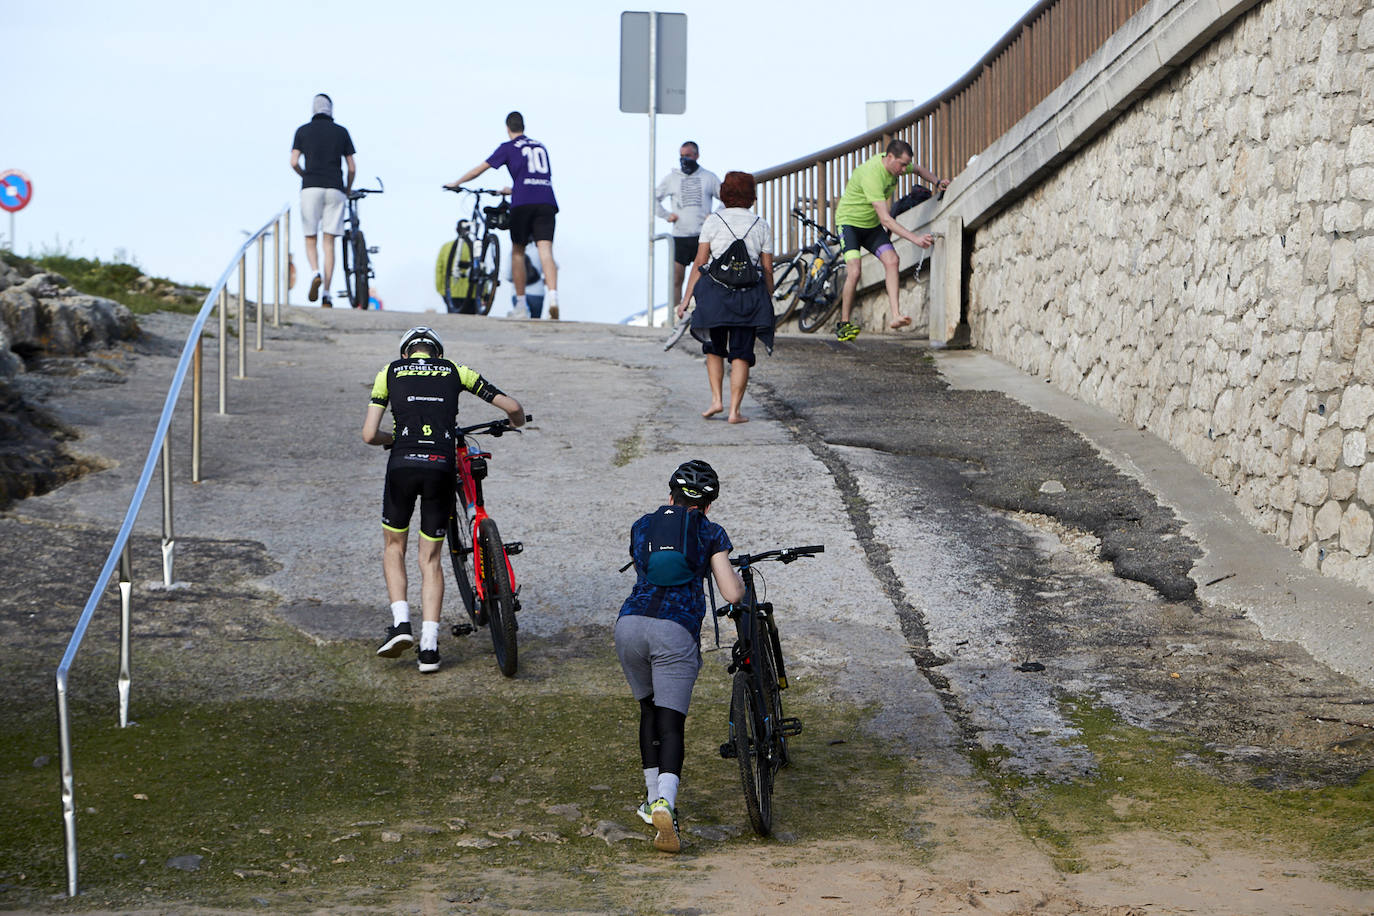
(357, 267)
(481, 560)
(811, 282)
(472, 271)
(758, 730)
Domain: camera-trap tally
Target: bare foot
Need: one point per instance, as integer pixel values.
(711, 411)
(900, 321)
(738, 418)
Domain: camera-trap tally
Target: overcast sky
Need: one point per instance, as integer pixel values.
(163, 129)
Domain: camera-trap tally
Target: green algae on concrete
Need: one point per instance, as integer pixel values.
(1144, 780)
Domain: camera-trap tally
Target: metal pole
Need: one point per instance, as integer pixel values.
(126, 593)
(276, 274)
(258, 309)
(286, 243)
(243, 332)
(197, 395)
(64, 740)
(653, 108)
(223, 349)
(169, 541)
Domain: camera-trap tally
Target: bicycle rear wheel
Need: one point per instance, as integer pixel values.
(486, 274)
(460, 554)
(817, 310)
(787, 286)
(755, 772)
(346, 253)
(358, 287)
(456, 293)
(500, 597)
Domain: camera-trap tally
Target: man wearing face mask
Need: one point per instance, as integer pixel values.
(692, 189)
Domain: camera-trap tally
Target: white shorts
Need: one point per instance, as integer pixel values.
(322, 209)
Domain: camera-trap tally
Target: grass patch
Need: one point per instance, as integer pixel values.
(1145, 781)
(628, 449)
(287, 800)
(122, 282)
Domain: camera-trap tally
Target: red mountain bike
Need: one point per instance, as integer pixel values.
(481, 560)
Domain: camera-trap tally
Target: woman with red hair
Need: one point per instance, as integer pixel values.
(732, 282)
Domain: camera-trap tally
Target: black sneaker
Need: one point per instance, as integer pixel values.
(398, 639)
(429, 661)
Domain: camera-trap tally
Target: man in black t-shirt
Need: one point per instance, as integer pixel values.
(323, 188)
(422, 390)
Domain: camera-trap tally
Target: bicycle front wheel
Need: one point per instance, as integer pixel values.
(787, 286)
(500, 597)
(486, 274)
(358, 290)
(346, 253)
(816, 311)
(755, 772)
(460, 554)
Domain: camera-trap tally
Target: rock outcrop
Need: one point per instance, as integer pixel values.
(41, 317)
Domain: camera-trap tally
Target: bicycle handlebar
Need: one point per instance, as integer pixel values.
(478, 191)
(783, 555)
(494, 428)
(801, 215)
(359, 193)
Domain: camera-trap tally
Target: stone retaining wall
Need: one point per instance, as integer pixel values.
(1204, 269)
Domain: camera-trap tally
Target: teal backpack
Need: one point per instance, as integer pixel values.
(671, 530)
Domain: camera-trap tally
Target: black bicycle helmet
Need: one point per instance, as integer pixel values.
(421, 334)
(696, 480)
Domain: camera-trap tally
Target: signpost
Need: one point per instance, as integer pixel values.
(653, 79)
(16, 190)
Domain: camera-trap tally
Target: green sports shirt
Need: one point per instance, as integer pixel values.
(868, 183)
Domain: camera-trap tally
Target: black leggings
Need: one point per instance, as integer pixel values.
(661, 737)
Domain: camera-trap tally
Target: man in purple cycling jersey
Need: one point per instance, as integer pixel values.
(533, 206)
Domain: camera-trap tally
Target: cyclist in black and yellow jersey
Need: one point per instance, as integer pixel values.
(422, 389)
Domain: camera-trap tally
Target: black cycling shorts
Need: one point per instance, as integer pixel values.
(731, 344)
(856, 237)
(432, 486)
(685, 248)
(532, 223)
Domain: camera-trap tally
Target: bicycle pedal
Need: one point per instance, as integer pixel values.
(789, 728)
(727, 750)
(513, 547)
(462, 629)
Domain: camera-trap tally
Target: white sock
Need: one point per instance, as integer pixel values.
(551, 297)
(651, 783)
(521, 304)
(400, 612)
(667, 788)
(429, 634)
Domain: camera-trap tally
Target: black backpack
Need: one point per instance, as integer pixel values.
(673, 531)
(734, 268)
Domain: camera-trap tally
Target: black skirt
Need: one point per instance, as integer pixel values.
(721, 306)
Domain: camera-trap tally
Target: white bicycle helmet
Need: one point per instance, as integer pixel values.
(421, 334)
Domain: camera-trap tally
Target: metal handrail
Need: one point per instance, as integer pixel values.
(1033, 57)
(279, 228)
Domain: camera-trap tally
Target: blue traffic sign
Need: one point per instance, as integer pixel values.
(15, 190)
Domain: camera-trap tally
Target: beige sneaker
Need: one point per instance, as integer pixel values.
(665, 822)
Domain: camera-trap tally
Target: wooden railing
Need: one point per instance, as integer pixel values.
(1021, 70)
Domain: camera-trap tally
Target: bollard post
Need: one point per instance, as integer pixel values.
(126, 594)
(223, 349)
(243, 331)
(286, 246)
(276, 274)
(197, 396)
(169, 541)
(257, 311)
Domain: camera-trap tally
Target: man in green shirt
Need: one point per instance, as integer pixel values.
(865, 221)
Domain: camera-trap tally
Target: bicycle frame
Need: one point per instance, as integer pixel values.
(470, 491)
